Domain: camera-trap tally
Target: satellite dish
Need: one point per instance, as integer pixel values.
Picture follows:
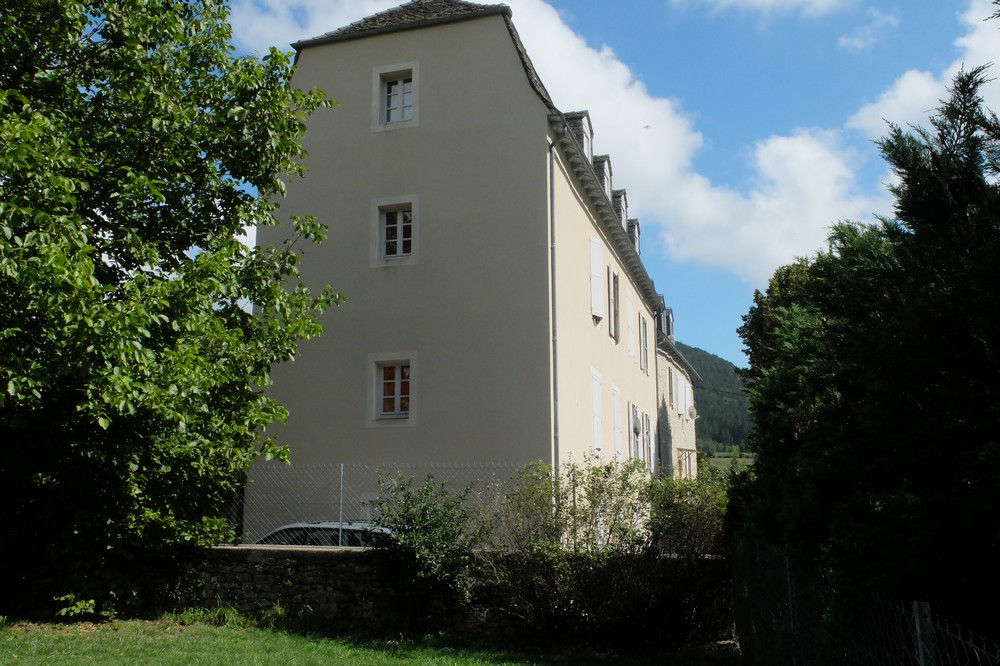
(692, 412)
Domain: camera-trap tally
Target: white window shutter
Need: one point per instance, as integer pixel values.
(595, 385)
(597, 307)
(616, 414)
(630, 315)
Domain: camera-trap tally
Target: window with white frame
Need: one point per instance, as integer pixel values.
(614, 322)
(397, 98)
(396, 231)
(396, 91)
(395, 228)
(394, 390)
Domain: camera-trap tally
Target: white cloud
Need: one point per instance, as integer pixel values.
(801, 183)
(916, 94)
(868, 35)
(810, 8)
(260, 24)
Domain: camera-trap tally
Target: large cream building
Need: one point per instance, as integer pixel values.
(497, 309)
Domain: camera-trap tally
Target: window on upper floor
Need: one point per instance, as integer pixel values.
(396, 230)
(391, 389)
(397, 99)
(394, 390)
(396, 93)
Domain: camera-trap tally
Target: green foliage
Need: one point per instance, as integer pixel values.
(581, 557)
(433, 531)
(874, 381)
(687, 516)
(723, 411)
(134, 148)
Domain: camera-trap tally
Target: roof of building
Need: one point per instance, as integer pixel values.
(665, 345)
(425, 13)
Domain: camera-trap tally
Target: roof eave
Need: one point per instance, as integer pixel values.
(584, 171)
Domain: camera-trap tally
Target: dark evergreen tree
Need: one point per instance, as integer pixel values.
(874, 381)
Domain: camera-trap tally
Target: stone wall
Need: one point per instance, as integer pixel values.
(355, 588)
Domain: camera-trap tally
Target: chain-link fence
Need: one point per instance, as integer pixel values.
(277, 494)
(787, 613)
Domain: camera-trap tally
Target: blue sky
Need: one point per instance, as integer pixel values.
(741, 129)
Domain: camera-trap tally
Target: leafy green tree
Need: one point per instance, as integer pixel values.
(874, 380)
(133, 148)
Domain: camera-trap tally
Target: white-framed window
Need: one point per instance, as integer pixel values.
(598, 410)
(395, 227)
(597, 300)
(395, 91)
(392, 389)
(643, 345)
(397, 98)
(396, 231)
(614, 321)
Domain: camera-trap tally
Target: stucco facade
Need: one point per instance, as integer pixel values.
(482, 256)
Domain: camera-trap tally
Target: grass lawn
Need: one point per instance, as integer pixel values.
(168, 641)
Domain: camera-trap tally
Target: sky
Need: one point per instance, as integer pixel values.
(741, 129)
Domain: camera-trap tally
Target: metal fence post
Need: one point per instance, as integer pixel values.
(926, 648)
(340, 534)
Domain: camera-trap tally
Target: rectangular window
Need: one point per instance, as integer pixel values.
(394, 390)
(397, 232)
(397, 96)
(614, 322)
(597, 301)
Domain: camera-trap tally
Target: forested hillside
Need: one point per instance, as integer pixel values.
(724, 419)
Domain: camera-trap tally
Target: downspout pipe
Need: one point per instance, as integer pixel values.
(552, 300)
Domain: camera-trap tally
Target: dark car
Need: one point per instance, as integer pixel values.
(325, 533)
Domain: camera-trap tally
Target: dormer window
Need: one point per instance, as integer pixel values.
(619, 201)
(602, 167)
(578, 123)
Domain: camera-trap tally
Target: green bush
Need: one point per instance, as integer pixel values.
(588, 556)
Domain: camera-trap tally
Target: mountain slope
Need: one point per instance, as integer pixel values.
(724, 418)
